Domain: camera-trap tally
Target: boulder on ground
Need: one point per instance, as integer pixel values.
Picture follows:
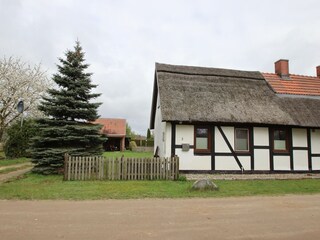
(204, 184)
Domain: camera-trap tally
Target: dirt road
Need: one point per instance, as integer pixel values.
(288, 217)
(7, 176)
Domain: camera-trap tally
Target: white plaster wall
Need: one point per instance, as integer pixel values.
(167, 147)
(261, 159)
(159, 130)
(184, 134)
(162, 133)
(261, 136)
(220, 144)
(300, 160)
(190, 162)
(315, 141)
(226, 163)
(315, 163)
(229, 163)
(245, 161)
(281, 162)
(299, 137)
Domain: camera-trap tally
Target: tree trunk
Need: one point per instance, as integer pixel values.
(1, 135)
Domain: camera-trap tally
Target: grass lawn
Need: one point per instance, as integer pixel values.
(34, 186)
(129, 154)
(8, 162)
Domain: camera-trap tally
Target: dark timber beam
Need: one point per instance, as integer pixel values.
(173, 139)
(213, 157)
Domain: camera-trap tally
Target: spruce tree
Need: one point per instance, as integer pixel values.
(67, 127)
(148, 134)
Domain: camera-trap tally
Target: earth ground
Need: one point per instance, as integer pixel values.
(277, 217)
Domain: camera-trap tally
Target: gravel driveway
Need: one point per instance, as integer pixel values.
(286, 217)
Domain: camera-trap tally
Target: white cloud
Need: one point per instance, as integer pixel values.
(123, 40)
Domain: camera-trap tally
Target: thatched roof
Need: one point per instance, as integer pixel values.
(197, 94)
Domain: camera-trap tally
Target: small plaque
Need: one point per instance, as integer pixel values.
(185, 147)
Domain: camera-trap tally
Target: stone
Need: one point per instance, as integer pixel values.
(204, 184)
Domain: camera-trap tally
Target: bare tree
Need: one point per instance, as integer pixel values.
(19, 80)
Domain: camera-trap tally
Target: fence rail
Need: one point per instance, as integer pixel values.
(102, 168)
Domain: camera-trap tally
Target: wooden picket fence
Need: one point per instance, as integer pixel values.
(102, 168)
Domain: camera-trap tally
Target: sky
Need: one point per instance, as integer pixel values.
(124, 38)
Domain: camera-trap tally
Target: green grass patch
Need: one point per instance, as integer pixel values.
(33, 186)
(129, 154)
(8, 162)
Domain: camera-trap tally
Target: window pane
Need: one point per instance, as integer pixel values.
(282, 135)
(241, 133)
(242, 145)
(201, 143)
(280, 145)
(202, 132)
(241, 140)
(276, 135)
(279, 135)
(280, 140)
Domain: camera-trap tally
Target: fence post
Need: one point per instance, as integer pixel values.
(123, 168)
(89, 174)
(66, 156)
(177, 166)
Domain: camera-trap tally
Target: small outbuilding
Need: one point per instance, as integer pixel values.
(115, 130)
(224, 120)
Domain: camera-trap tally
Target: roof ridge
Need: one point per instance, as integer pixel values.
(204, 74)
(207, 71)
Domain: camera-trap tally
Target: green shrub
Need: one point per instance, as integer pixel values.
(132, 145)
(18, 139)
(182, 178)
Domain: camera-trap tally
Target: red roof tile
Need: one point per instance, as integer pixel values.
(112, 126)
(297, 84)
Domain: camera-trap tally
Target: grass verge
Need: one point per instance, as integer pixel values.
(8, 162)
(33, 186)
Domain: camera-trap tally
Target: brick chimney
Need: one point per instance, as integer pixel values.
(282, 68)
(318, 71)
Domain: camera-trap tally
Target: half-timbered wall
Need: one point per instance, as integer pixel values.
(304, 154)
(185, 135)
(300, 148)
(315, 148)
(261, 148)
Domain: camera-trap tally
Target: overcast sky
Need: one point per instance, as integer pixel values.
(124, 39)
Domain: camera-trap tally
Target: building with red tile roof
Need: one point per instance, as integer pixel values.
(115, 130)
(283, 82)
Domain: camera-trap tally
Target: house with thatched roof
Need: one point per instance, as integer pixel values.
(230, 120)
